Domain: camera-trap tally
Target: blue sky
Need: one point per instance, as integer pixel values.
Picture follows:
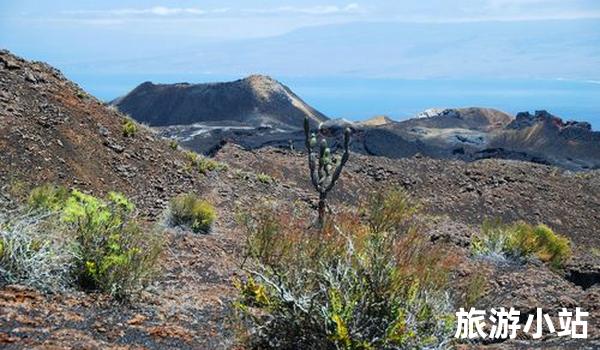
(110, 46)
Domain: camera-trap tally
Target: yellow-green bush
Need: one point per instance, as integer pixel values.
(520, 241)
(203, 164)
(206, 165)
(129, 128)
(48, 197)
(114, 254)
(347, 285)
(544, 243)
(264, 178)
(190, 211)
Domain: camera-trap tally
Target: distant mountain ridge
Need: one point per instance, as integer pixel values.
(258, 111)
(475, 118)
(256, 100)
(476, 133)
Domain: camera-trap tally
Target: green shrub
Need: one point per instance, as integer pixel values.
(48, 197)
(114, 254)
(206, 165)
(343, 286)
(190, 211)
(173, 144)
(521, 241)
(264, 178)
(203, 164)
(129, 128)
(548, 246)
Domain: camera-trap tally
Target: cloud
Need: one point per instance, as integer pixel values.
(164, 11)
(498, 4)
(563, 16)
(312, 10)
(156, 11)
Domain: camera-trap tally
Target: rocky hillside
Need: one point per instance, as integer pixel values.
(570, 144)
(253, 101)
(52, 131)
(477, 133)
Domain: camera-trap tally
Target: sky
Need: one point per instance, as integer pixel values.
(318, 46)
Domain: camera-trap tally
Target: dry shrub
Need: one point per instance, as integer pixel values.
(34, 252)
(363, 281)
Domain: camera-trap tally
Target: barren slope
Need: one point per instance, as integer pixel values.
(255, 100)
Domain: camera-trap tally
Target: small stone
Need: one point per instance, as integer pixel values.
(30, 77)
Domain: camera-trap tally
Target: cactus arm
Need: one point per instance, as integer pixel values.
(307, 134)
(345, 156)
(314, 172)
(312, 159)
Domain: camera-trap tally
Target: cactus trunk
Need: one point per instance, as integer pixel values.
(324, 170)
(321, 209)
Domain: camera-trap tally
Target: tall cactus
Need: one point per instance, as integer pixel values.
(324, 169)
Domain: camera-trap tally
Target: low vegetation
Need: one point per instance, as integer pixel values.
(264, 178)
(16, 189)
(129, 128)
(48, 197)
(113, 253)
(203, 164)
(521, 241)
(188, 210)
(474, 288)
(364, 280)
(71, 238)
(206, 165)
(34, 252)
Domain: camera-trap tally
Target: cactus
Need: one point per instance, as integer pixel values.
(324, 169)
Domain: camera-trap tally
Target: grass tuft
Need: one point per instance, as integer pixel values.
(192, 212)
(520, 241)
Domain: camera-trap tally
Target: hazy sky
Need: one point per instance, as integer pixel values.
(110, 46)
(111, 34)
